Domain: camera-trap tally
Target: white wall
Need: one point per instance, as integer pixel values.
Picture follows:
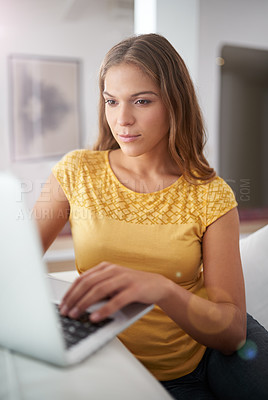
(235, 22)
(88, 28)
(178, 21)
(83, 29)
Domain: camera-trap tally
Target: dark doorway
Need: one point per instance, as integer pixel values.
(244, 128)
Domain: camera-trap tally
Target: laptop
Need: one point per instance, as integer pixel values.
(30, 322)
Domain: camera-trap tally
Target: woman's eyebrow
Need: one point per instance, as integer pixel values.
(144, 92)
(133, 95)
(107, 94)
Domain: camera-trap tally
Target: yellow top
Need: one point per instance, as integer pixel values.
(157, 232)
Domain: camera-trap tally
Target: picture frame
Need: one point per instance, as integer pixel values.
(45, 109)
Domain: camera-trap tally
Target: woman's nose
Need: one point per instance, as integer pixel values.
(125, 115)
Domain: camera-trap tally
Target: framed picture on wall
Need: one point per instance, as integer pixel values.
(44, 106)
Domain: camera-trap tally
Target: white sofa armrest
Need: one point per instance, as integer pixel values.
(254, 256)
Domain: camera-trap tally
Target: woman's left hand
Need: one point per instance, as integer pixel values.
(121, 285)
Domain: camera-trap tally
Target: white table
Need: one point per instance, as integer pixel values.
(111, 373)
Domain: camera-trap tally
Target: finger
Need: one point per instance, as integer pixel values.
(78, 280)
(76, 294)
(99, 292)
(81, 286)
(123, 298)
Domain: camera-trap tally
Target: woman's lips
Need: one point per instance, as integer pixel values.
(128, 138)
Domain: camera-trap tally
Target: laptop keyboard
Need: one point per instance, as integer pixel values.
(75, 330)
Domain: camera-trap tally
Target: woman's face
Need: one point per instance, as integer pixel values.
(135, 111)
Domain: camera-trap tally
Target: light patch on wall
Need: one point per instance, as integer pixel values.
(220, 61)
(144, 16)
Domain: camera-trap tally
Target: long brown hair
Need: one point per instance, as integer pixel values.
(161, 62)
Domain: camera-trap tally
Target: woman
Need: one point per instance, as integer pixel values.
(151, 222)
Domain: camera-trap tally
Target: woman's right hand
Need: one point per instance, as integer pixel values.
(120, 285)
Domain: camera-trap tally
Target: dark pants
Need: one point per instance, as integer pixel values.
(243, 375)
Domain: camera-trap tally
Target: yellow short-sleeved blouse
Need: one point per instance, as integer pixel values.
(157, 232)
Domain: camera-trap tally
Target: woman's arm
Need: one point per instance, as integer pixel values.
(219, 322)
(51, 211)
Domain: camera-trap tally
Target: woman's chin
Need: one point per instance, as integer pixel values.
(130, 151)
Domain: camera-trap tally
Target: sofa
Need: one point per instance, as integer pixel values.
(254, 256)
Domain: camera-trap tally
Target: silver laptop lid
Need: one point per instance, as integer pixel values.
(27, 320)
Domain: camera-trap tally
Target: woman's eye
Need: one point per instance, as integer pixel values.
(110, 102)
(143, 102)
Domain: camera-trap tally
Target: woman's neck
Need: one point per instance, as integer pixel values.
(147, 165)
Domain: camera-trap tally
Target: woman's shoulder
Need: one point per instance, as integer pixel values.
(220, 199)
(80, 156)
(215, 184)
(214, 194)
(215, 190)
(94, 156)
(75, 161)
(220, 186)
(76, 165)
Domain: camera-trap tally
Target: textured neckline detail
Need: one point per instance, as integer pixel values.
(157, 192)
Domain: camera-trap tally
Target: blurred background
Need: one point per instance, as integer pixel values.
(50, 53)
